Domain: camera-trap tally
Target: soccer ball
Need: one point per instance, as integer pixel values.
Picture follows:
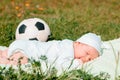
(33, 29)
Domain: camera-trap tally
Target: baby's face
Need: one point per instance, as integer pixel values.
(84, 52)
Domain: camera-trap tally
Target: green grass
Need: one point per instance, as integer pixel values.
(66, 18)
(35, 72)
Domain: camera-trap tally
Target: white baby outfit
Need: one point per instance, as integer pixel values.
(61, 51)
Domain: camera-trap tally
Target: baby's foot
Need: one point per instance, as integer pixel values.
(5, 53)
(3, 57)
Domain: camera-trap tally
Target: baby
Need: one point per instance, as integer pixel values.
(84, 49)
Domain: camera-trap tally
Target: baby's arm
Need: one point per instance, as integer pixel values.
(16, 58)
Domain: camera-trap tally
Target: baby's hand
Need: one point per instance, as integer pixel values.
(18, 58)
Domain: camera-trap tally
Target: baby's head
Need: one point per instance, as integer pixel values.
(87, 47)
(93, 40)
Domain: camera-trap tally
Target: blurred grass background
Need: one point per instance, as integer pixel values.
(66, 18)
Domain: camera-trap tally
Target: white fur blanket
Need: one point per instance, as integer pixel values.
(108, 62)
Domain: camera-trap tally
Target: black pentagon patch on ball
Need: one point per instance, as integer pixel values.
(40, 26)
(22, 29)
